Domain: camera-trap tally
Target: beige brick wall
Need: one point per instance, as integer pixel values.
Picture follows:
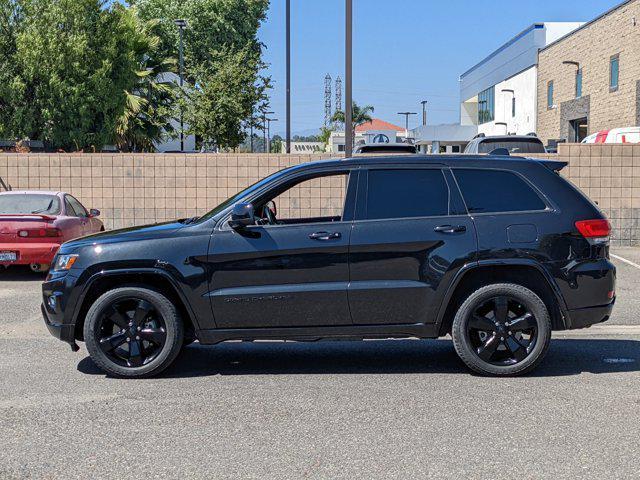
(144, 188)
(593, 47)
(139, 189)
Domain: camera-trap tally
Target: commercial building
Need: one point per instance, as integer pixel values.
(499, 93)
(375, 131)
(589, 80)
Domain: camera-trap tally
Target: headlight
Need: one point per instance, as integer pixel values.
(64, 262)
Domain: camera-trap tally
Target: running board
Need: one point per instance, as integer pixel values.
(313, 334)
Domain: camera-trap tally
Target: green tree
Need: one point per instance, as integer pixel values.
(276, 144)
(150, 104)
(225, 96)
(359, 115)
(75, 61)
(223, 61)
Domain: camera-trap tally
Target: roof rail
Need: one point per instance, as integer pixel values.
(532, 134)
(479, 135)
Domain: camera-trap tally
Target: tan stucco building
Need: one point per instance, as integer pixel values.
(589, 80)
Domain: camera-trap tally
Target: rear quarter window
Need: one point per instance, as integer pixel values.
(493, 191)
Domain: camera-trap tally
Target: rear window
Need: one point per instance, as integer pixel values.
(28, 203)
(407, 193)
(515, 145)
(496, 191)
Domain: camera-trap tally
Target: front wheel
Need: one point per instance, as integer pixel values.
(133, 332)
(502, 329)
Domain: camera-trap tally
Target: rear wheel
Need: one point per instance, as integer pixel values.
(502, 329)
(133, 332)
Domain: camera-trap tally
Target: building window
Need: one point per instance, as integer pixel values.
(486, 105)
(614, 72)
(513, 106)
(579, 83)
(550, 94)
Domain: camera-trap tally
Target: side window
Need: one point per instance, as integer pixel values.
(496, 191)
(77, 207)
(69, 208)
(406, 193)
(312, 200)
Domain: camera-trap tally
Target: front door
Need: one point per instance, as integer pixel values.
(291, 269)
(410, 236)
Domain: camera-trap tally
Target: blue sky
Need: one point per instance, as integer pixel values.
(405, 51)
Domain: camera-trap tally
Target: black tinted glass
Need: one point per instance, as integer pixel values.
(407, 193)
(516, 145)
(496, 191)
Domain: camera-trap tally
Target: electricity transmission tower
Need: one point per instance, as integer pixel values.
(327, 100)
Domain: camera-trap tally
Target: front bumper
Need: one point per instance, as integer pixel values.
(59, 297)
(61, 331)
(28, 253)
(585, 317)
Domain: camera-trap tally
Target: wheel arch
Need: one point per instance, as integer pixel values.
(151, 279)
(526, 273)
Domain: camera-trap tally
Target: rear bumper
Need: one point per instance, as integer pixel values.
(28, 253)
(585, 317)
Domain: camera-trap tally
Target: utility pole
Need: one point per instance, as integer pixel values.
(251, 120)
(181, 24)
(288, 134)
(348, 108)
(269, 120)
(406, 122)
(264, 130)
(424, 112)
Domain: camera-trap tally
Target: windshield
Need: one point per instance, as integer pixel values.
(19, 203)
(514, 145)
(230, 201)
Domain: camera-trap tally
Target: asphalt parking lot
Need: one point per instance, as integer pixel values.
(378, 409)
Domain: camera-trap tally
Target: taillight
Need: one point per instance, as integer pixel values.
(596, 230)
(40, 233)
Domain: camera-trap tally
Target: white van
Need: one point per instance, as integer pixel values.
(615, 135)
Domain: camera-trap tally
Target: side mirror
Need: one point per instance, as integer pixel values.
(94, 212)
(242, 216)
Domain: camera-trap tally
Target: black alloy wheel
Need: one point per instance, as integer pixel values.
(502, 331)
(131, 332)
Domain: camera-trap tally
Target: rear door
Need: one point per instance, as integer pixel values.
(410, 236)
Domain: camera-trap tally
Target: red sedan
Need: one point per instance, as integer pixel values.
(33, 225)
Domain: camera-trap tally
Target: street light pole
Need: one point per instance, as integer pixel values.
(288, 21)
(406, 121)
(181, 24)
(424, 111)
(269, 120)
(264, 130)
(348, 112)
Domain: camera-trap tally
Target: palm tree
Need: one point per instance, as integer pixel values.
(359, 115)
(150, 103)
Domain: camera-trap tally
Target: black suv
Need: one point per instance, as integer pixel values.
(495, 251)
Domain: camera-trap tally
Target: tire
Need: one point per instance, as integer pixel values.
(163, 317)
(472, 347)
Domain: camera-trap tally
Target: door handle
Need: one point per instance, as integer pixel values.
(450, 229)
(325, 236)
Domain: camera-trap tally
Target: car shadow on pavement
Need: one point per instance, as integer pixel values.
(20, 274)
(565, 357)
